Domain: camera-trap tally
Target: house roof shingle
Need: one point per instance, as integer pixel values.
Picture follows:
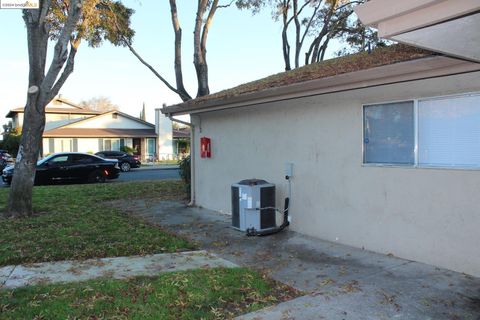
(11, 113)
(99, 133)
(351, 63)
(181, 133)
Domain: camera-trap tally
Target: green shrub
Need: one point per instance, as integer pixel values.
(127, 149)
(11, 141)
(185, 172)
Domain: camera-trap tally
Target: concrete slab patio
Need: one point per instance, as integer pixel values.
(119, 268)
(340, 282)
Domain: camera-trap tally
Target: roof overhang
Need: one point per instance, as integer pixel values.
(445, 26)
(99, 133)
(430, 67)
(13, 112)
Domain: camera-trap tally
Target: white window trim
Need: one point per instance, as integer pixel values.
(415, 165)
(112, 140)
(147, 145)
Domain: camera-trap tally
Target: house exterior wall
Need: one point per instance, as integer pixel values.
(89, 145)
(163, 129)
(108, 121)
(55, 145)
(427, 215)
(86, 145)
(17, 121)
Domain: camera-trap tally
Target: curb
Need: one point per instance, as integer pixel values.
(147, 167)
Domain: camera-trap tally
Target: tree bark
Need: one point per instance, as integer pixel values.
(199, 54)
(297, 32)
(41, 89)
(182, 92)
(285, 44)
(20, 199)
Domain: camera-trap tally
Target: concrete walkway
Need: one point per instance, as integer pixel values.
(341, 282)
(117, 268)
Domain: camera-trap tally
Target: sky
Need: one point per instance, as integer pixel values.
(241, 47)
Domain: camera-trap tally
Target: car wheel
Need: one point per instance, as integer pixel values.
(96, 176)
(125, 167)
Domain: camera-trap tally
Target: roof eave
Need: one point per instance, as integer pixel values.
(59, 135)
(393, 17)
(446, 26)
(432, 66)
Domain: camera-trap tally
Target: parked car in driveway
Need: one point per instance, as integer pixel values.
(70, 167)
(5, 159)
(126, 161)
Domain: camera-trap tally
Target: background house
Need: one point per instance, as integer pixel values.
(69, 127)
(181, 141)
(384, 148)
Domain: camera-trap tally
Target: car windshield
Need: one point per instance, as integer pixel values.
(42, 161)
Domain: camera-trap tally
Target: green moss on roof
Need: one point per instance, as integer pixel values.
(351, 63)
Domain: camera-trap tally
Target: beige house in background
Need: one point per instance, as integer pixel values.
(69, 127)
(385, 146)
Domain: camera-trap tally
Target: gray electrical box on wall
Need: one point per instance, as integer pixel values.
(253, 205)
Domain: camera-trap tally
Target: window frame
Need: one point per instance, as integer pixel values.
(112, 141)
(416, 164)
(147, 145)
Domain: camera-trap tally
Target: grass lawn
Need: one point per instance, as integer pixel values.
(200, 294)
(167, 162)
(76, 222)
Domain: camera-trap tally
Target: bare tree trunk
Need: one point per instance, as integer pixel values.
(42, 88)
(323, 50)
(201, 67)
(20, 199)
(285, 44)
(305, 32)
(312, 52)
(182, 92)
(297, 32)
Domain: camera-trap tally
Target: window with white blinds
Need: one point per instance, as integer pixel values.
(449, 132)
(438, 132)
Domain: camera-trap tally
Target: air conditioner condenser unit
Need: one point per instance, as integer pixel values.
(253, 207)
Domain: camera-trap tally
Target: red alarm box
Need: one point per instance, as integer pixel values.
(205, 147)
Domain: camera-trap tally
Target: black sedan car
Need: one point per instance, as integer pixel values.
(125, 160)
(70, 167)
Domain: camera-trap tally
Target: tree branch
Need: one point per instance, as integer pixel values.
(44, 11)
(310, 22)
(285, 43)
(206, 28)
(61, 48)
(182, 92)
(225, 5)
(156, 73)
(65, 74)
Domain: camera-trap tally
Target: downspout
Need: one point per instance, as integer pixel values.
(192, 157)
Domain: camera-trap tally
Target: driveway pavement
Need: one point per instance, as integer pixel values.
(339, 282)
(149, 174)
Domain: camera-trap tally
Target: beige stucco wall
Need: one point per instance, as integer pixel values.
(427, 215)
(88, 145)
